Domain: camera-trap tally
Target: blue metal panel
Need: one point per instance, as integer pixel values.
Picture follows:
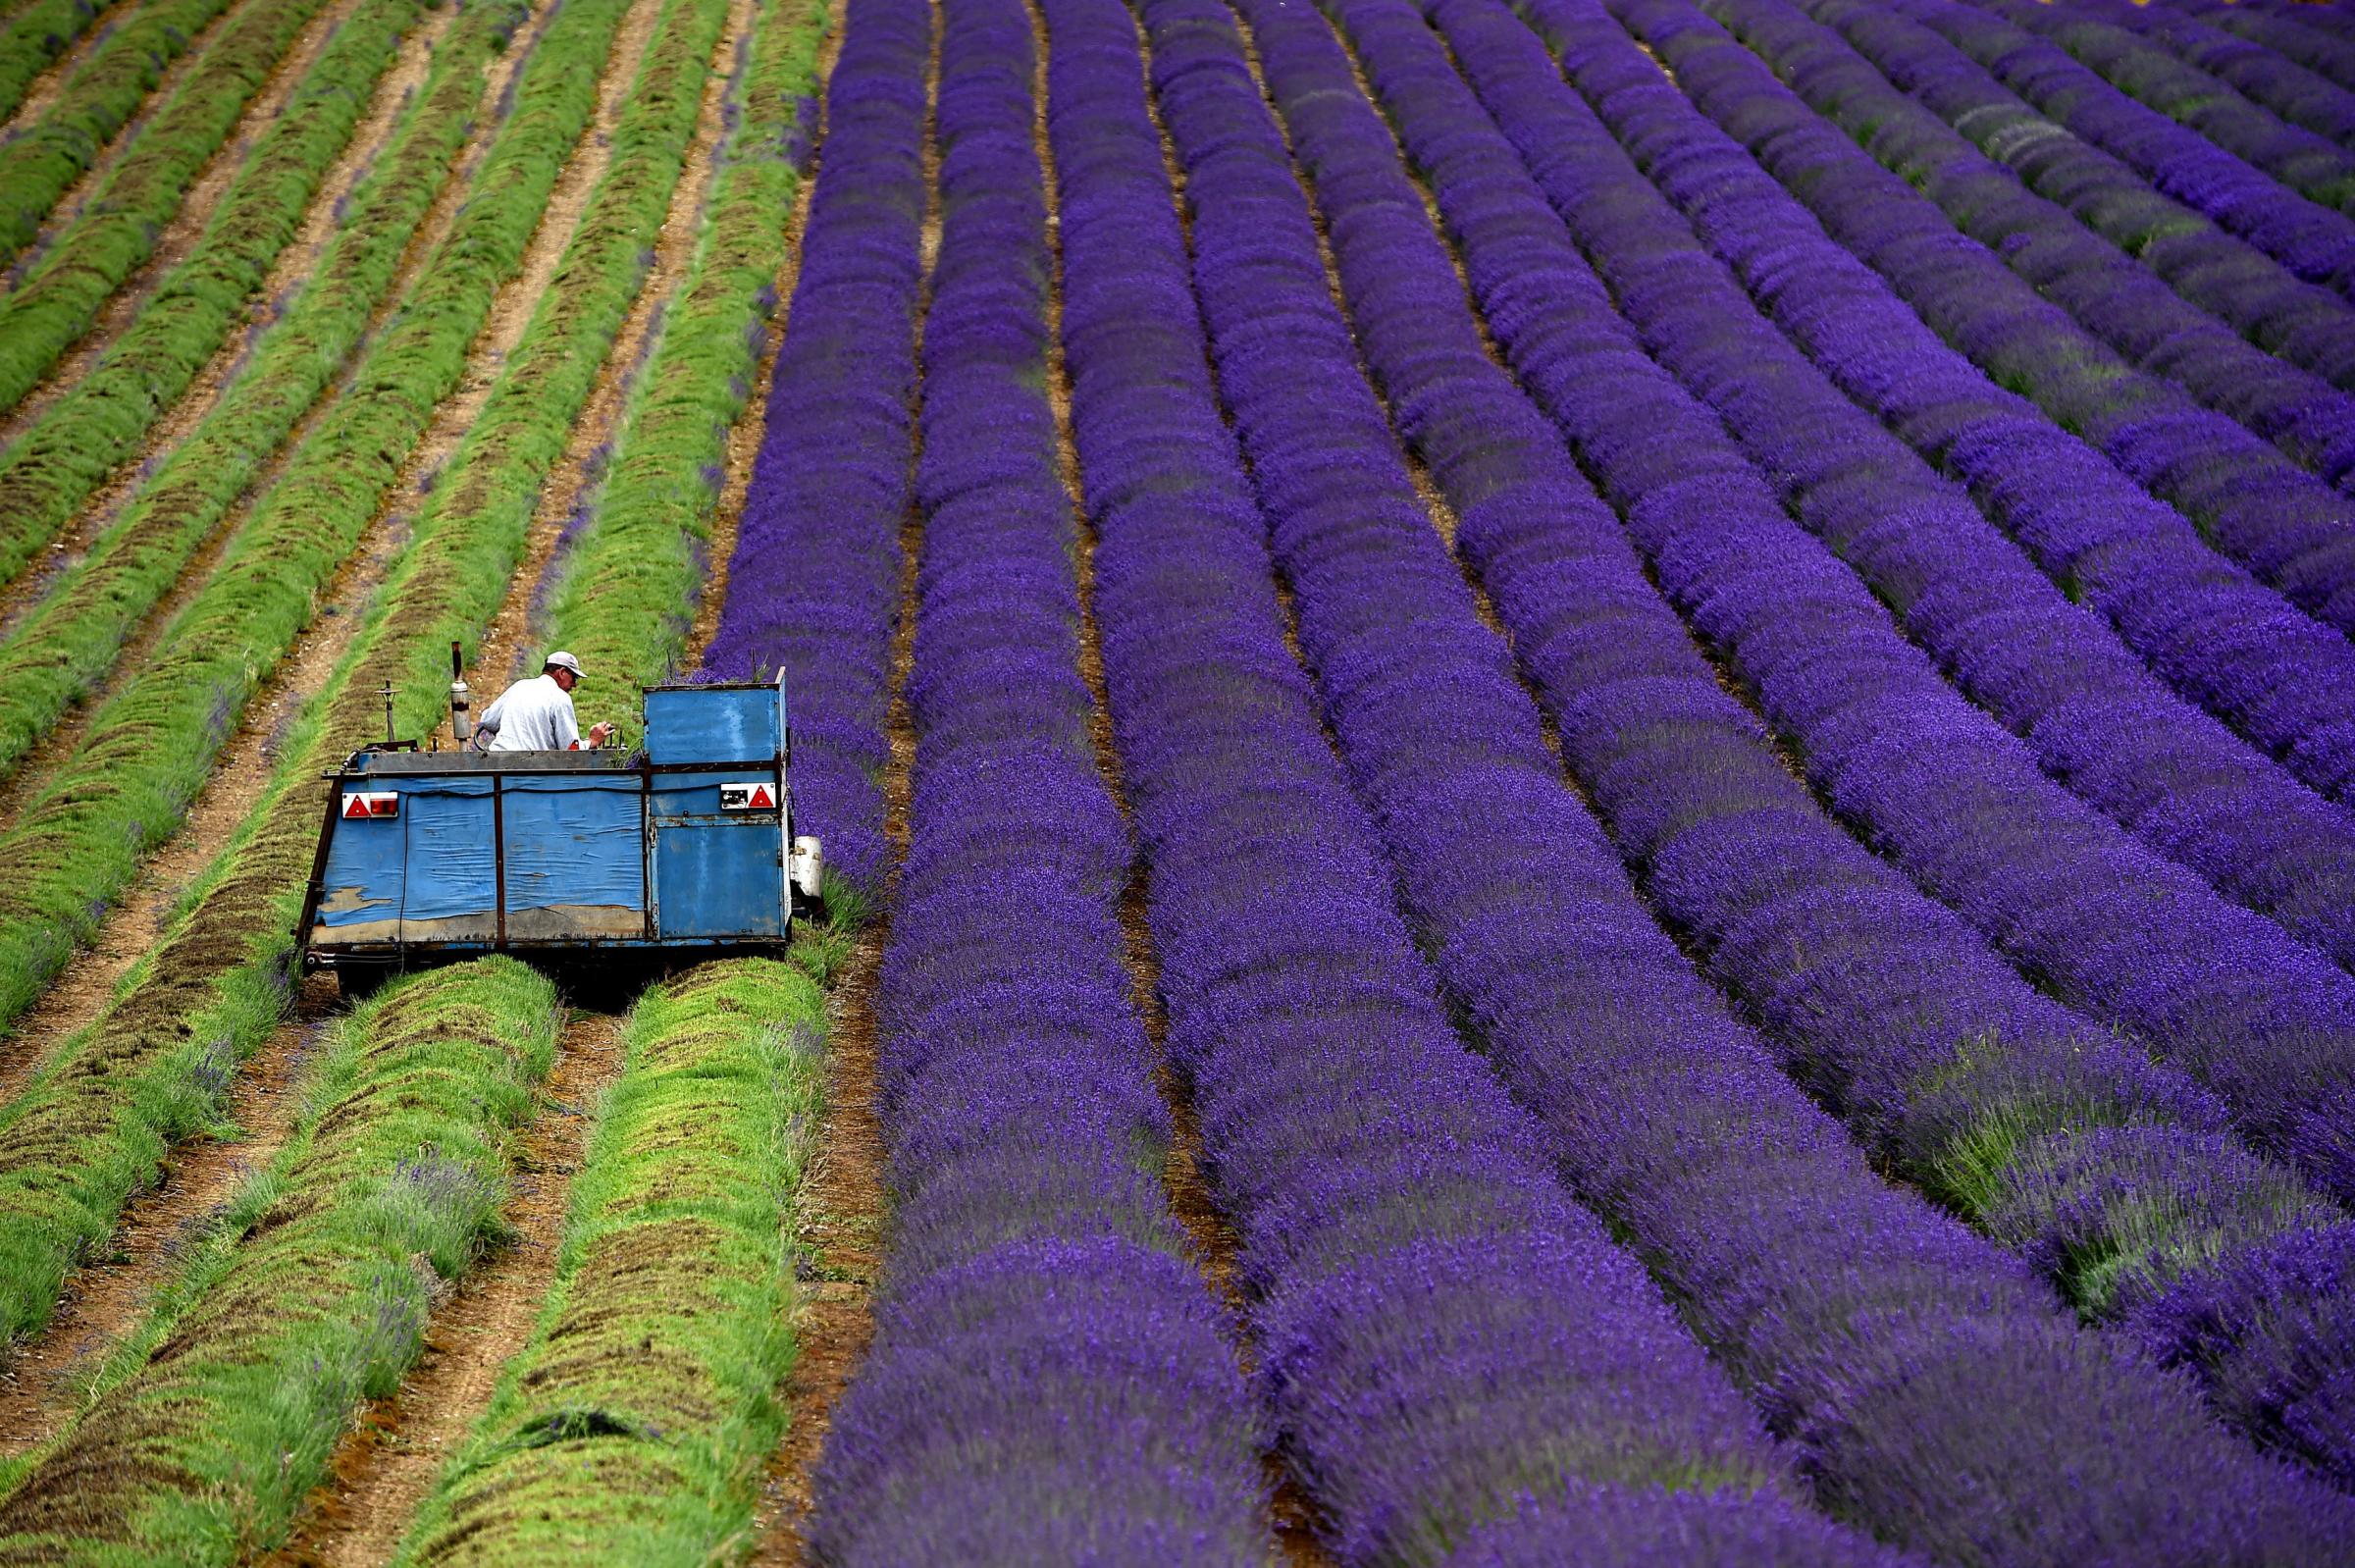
(713, 724)
(452, 889)
(362, 880)
(715, 875)
(576, 856)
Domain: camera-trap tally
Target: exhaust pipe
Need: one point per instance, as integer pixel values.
(461, 701)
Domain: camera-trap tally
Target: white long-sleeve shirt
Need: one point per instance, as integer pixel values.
(534, 715)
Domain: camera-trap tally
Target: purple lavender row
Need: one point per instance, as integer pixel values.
(814, 587)
(2286, 31)
(2298, 159)
(2210, 631)
(1050, 1381)
(1934, 782)
(2317, 243)
(2096, 718)
(2284, 87)
(2304, 323)
(2051, 1138)
(1666, 1114)
(2110, 294)
(2252, 504)
(1441, 1332)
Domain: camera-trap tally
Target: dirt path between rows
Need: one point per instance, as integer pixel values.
(76, 197)
(387, 1462)
(574, 478)
(246, 762)
(295, 264)
(840, 1211)
(43, 90)
(108, 1297)
(186, 229)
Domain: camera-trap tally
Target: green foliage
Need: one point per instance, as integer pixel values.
(148, 749)
(624, 599)
(153, 1067)
(73, 446)
(34, 38)
(102, 94)
(54, 655)
(633, 1426)
(205, 1430)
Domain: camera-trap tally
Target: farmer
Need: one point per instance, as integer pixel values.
(536, 715)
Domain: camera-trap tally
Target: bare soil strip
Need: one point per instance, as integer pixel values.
(107, 1297)
(44, 88)
(841, 1210)
(77, 197)
(510, 638)
(386, 1464)
(186, 228)
(244, 772)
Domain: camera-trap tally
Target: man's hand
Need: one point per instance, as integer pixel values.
(599, 734)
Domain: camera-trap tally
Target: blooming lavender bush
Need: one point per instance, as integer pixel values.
(1050, 1382)
(2209, 631)
(1588, 1009)
(2316, 242)
(2210, 266)
(2288, 89)
(1656, 1098)
(2110, 294)
(1441, 1332)
(813, 584)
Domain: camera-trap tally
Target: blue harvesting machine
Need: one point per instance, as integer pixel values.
(682, 848)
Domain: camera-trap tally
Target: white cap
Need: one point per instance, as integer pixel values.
(561, 661)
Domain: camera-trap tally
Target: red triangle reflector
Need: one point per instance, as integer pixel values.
(355, 805)
(760, 799)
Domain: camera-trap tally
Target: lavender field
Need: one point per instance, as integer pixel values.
(1588, 771)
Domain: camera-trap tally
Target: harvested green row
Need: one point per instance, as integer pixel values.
(149, 748)
(207, 1428)
(55, 653)
(98, 100)
(117, 233)
(34, 38)
(221, 974)
(76, 443)
(625, 593)
(634, 1424)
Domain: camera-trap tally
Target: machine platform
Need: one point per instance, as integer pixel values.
(687, 844)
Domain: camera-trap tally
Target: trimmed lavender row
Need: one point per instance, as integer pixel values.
(2095, 717)
(1947, 793)
(2308, 163)
(2206, 627)
(1751, 1204)
(2252, 504)
(2283, 86)
(2317, 243)
(1049, 1381)
(813, 585)
(1441, 1333)
(1951, 1069)
(2304, 323)
(2112, 295)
